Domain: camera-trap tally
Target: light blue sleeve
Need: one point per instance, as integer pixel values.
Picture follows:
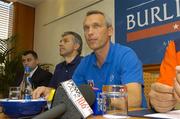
(133, 73)
(131, 68)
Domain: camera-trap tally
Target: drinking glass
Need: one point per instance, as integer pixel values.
(14, 93)
(115, 101)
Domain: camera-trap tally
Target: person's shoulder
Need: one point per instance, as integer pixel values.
(88, 57)
(41, 69)
(78, 58)
(122, 48)
(60, 64)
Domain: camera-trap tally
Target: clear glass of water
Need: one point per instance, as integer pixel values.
(115, 101)
(14, 93)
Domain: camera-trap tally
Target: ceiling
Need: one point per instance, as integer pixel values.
(32, 3)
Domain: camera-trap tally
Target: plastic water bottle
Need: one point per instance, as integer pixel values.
(28, 85)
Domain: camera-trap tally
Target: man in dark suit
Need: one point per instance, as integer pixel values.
(39, 76)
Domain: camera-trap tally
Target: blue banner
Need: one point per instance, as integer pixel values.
(147, 26)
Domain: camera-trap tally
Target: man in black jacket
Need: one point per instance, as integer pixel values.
(39, 76)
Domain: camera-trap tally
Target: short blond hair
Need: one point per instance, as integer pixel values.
(107, 18)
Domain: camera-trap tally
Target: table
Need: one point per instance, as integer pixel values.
(101, 117)
(3, 116)
(134, 113)
(131, 113)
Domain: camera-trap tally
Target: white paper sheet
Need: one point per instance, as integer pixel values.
(108, 116)
(168, 115)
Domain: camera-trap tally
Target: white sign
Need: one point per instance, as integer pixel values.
(76, 97)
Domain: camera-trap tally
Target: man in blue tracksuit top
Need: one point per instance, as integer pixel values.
(109, 63)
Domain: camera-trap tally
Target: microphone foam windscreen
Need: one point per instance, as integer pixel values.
(87, 93)
(71, 111)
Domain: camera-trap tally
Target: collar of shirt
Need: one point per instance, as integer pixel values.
(32, 72)
(74, 61)
(108, 57)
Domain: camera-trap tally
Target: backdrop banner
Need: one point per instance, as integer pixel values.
(147, 26)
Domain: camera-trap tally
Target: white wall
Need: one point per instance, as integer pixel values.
(48, 32)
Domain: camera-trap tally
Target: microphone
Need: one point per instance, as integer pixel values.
(52, 113)
(77, 99)
(66, 107)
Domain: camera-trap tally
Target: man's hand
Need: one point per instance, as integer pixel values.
(162, 97)
(41, 91)
(177, 84)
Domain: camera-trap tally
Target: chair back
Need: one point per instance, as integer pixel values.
(149, 78)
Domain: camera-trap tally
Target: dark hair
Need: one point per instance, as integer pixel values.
(77, 39)
(107, 18)
(33, 53)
